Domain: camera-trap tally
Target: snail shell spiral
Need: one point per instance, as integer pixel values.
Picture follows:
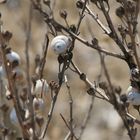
(60, 44)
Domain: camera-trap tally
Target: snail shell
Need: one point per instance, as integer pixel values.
(13, 116)
(60, 44)
(41, 88)
(38, 104)
(13, 56)
(133, 96)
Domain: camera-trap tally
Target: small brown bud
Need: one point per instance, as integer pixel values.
(63, 14)
(131, 122)
(118, 90)
(130, 7)
(72, 28)
(130, 46)
(120, 11)
(79, 4)
(95, 41)
(91, 91)
(83, 76)
(7, 35)
(123, 98)
(60, 59)
(103, 85)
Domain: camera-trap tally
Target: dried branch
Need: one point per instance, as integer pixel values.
(28, 78)
(61, 76)
(67, 125)
(43, 59)
(88, 83)
(87, 118)
(71, 107)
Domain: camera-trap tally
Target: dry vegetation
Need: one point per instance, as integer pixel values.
(88, 103)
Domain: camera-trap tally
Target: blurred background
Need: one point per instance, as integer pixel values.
(104, 123)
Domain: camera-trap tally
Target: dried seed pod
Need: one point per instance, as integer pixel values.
(79, 4)
(72, 28)
(120, 11)
(63, 14)
(60, 44)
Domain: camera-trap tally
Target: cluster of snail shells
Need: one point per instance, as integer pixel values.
(60, 44)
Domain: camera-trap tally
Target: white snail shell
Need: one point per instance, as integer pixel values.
(13, 56)
(41, 88)
(13, 116)
(38, 103)
(133, 96)
(2, 72)
(60, 44)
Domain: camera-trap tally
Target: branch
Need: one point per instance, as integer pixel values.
(87, 118)
(88, 83)
(71, 107)
(67, 125)
(43, 59)
(28, 35)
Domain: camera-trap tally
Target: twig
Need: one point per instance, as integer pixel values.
(87, 118)
(67, 125)
(28, 35)
(68, 136)
(131, 33)
(54, 101)
(71, 107)
(96, 18)
(43, 59)
(132, 117)
(114, 102)
(81, 16)
(49, 117)
(88, 83)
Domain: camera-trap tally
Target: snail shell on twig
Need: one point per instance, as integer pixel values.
(41, 88)
(60, 44)
(13, 56)
(133, 96)
(13, 116)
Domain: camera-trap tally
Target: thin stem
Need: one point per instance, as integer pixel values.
(71, 107)
(87, 118)
(28, 35)
(43, 59)
(67, 125)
